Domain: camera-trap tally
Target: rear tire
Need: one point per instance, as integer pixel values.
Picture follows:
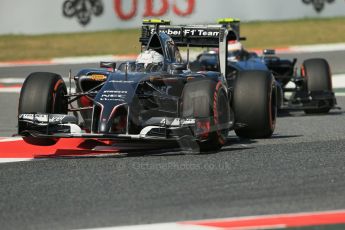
(255, 104)
(42, 92)
(318, 75)
(206, 101)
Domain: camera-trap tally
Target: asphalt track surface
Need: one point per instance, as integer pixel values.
(301, 168)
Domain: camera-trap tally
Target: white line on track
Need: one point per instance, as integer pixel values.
(83, 60)
(245, 222)
(10, 90)
(9, 160)
(68, 60)
(165, 226)
(17, 90)
(8, 139)
(317, 48)
(13, 80)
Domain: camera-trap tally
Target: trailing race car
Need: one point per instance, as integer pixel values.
(156, 99)
(312, 91)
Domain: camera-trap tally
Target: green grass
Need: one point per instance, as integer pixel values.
(22, 47)
(259, 35)
(299, 32)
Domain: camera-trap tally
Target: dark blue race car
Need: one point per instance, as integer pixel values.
(157, 99)
(311, 89)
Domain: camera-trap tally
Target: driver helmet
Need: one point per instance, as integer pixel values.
(149, 57)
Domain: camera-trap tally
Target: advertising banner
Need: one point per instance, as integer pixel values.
(60, 16)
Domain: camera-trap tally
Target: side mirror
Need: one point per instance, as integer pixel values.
(108, 65)
(269, 52)
(243, 39)
(178, 66)
(131, 66)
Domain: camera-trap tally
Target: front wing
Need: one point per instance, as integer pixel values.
(64, 126)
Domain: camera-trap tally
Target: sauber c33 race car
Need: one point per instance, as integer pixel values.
(156, 99)
(311, 89)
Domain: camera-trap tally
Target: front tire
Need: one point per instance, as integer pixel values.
(42, 92)
(318, 76)
(255, 104)
(206, 101)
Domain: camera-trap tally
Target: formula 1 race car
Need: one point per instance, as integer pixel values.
(156, 99)
(312, 86)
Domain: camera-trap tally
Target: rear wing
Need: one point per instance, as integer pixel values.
(213, 36)
(190, 35)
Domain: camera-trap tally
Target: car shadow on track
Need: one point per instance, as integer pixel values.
(238, 140)
(302, 114)
(175, 151)
(284, 136)
(233, 143)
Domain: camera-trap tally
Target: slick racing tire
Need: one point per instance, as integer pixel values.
(318, 76)
(42, 93)
(207, 102)
(255, 104)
